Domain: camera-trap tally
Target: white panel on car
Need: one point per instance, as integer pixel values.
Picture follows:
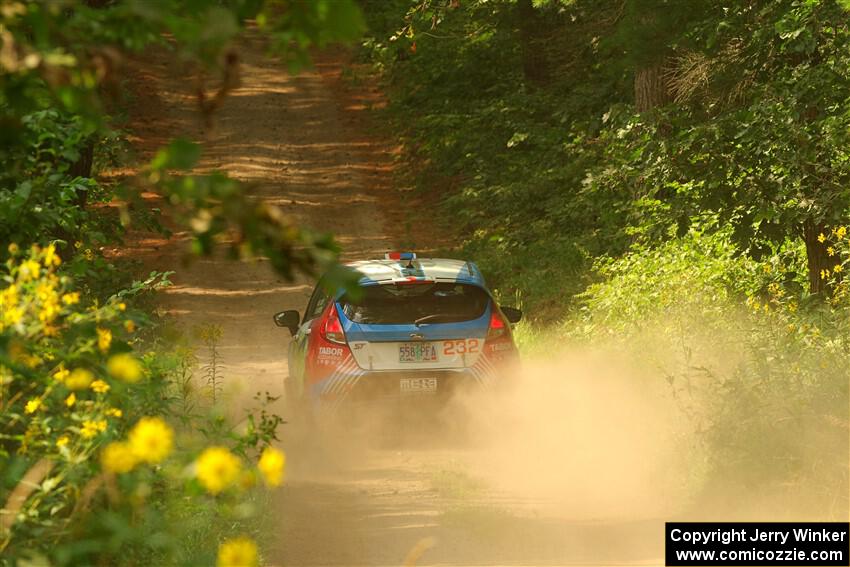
(417, 355)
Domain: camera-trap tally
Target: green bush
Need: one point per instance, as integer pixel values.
(760, 370)
(100, 463)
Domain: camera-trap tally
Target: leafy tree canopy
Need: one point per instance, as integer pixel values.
(60, 65)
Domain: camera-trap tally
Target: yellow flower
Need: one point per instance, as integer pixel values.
(71, 298)
(217, 468)
(48, 312)
(50, 256)
(92, 428)
(88, 254)
(837, 269)
(125, 367)
(12, 316)
(824, 274)
(45, 292)
(78, 244)
(32, 406)
(29, 270)
(114, 412)
(118, 458)
(13, 249)
(71, 400)
(841, 232)
(100, 386)
(272, 464)
(104, 339)
(237, 552)
(79, 379)
(821, 237)
(61, 374)
(151, 439)
(775, 290)
(62, 441)
(129, 326)
(9, 297)
(831, 251)
(122, 306)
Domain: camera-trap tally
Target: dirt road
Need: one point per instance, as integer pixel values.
(301, 143)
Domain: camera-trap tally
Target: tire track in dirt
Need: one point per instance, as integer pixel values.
(300, 143)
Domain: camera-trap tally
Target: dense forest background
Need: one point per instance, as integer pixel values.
(665, 175)
(566, 131)
(668, 177)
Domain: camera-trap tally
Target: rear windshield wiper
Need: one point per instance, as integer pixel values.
(430, 318)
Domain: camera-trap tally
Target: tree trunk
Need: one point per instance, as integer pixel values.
(816, 256)
(534, 68)
(651, 88)
(83, 168)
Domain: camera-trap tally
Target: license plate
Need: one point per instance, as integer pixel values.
(417, 385)
(417, 352)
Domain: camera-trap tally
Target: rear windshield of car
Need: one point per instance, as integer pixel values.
(400, 304)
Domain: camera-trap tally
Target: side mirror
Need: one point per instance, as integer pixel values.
(512, 314)
(289, 319)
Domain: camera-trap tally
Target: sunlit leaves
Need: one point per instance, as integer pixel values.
(295, 25)
(178, 154)
(68, 54)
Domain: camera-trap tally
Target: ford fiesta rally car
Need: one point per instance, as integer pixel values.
(417, 327)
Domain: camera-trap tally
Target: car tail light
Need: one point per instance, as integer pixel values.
(498, 326)
(499, 347)
(332, 327)
(327, 350)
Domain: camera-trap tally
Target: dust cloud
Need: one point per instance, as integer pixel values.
(586, 433)
(603, 433)
(579, 459)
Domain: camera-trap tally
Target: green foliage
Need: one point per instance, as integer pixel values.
(509, 160)
(757, 135)
(699, 271)
(88, 475)
(105, 455)
(38, 193)
(58, 75)
(768, 161)
(761, 375)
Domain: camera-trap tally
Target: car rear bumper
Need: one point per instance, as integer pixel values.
(354, 385)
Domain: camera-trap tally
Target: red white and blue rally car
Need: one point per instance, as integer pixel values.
(417, 327)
